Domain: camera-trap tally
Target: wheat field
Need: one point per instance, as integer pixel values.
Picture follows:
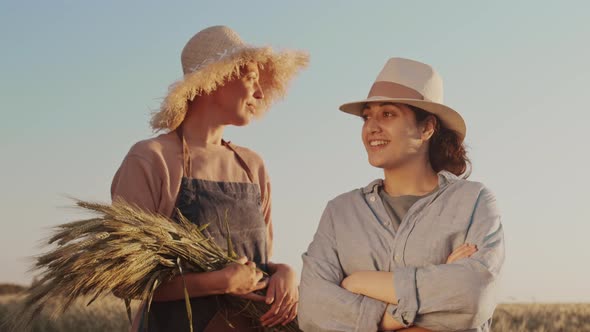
(108, 314)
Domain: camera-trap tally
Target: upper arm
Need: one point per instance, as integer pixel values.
(321, 259)
(487, 233)
(137, 183)
(266, 205)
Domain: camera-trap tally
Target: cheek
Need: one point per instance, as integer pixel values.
(364, 133)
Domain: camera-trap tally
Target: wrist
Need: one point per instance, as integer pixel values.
(277, 267)
(223, 280)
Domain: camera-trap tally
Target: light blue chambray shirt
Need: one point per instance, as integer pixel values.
(355, 234)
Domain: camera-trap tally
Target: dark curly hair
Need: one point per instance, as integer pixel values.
(446, 150)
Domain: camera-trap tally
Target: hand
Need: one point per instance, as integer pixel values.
(283, 293)
(463, 251)
(242, 278)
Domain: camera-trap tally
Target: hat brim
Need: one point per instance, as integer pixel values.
(448, 116)
(276, 71)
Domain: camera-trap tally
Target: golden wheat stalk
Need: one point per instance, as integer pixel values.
(126, 251)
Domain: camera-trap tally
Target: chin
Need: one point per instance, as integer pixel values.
(242, 120)
(376, 163)
(384, 163)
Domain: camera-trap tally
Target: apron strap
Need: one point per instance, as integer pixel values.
(186, 160)
(240, 159)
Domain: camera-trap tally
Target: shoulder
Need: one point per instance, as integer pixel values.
(458, 186)
(467, 188)
(350, 199)
(469, 195)
(154, 146)
(254, 161)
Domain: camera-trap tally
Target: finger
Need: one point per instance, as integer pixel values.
(464, 245)
(258, 275)
(274, 309)
(253, 297)
(456, 257)
(260, 285)
(469, 250)
(275, 318)
(460, 250)
(282, 315)
(461, 253)
(270, 293)
(278, 309)
(292, 314)
(242, 260)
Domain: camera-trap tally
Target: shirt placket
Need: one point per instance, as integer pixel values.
(375, 203)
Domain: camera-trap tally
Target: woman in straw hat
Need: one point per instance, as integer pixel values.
(190, 168)
(420, 249)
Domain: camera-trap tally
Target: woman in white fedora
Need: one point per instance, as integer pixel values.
(192, 169)
(421, 248)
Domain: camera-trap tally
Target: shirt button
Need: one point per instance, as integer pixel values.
(397, 257)
(372, 198)
(386, 223)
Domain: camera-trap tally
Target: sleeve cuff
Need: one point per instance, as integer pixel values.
(391, 309)
(370, 315)
(404, 282)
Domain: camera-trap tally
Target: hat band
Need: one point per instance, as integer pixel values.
(393, 90)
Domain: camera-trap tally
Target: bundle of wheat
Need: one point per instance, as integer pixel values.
(129, 252)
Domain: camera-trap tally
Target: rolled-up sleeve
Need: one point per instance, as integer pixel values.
(461, 295)
(324, 305)
(136, 183)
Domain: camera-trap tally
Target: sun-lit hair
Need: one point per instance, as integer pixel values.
(276, 70)
(445, 150)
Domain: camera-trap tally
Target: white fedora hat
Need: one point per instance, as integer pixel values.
(413, 83)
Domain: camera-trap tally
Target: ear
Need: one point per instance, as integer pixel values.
(428, 127)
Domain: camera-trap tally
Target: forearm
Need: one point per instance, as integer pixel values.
(378, 285)
(388, 323)
(197, 284)
(326, 306)
(374, 284)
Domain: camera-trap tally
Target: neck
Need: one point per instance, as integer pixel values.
(202, 126)
(415, 178)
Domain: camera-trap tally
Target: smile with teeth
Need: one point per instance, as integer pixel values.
(378, 143)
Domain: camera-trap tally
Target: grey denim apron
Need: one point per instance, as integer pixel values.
(213, 202)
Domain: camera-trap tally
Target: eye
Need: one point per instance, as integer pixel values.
(388, 114)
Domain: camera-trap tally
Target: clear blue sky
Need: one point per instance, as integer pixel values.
(78, 81)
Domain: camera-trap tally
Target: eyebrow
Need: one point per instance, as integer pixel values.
(365, 107)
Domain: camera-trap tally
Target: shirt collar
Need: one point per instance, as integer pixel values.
(444, 178)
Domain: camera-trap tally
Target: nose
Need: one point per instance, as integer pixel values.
(371, 126)
(258, 94)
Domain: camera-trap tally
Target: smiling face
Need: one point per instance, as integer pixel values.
(391, 135)
(239, 99)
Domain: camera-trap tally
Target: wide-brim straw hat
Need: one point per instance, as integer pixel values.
(413, 83)
(212, 57)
